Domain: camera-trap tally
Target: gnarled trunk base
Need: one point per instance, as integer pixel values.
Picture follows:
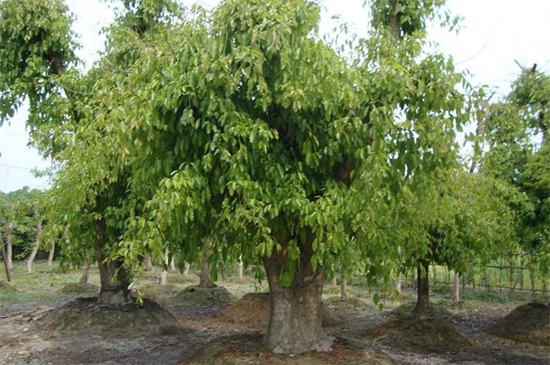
(295, 311)
(114, 278)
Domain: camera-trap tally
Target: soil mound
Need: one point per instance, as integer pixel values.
(527, 323)
(252, 312)
(405, 311)
(424, 335)
(85, 314)
(249, 349)
(80, 289)
(206, 296)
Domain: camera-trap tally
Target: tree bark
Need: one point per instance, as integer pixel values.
(206, 269)
(34, 251)
(9, 245)
(295, 310)
(148, 264)
(456, 287)
(423, 290)
(173, 264)
(186, 269)
(240, 268)
(114, 278)
(85, 273)
(51, 254)
(4, 255)
(164, 273)
(344, 287)
(398, 288)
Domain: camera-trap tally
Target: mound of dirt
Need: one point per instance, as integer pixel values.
(350, 303)
(424, 335)
(80, 289)
(249, 349)
(527, 323)
(405, 311)
(206, 296)
(252, 312)
(85, 314)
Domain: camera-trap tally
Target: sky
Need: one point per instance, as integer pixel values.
(493, 35)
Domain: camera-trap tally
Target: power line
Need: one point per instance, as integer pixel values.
(15, 167)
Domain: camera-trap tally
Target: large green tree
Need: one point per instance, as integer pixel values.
(244, 128)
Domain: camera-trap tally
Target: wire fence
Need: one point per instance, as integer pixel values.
(513, 272)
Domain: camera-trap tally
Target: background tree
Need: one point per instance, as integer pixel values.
(515, 132)
(454, 224)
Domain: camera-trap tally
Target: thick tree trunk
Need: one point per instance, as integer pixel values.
(34, 251)
(456, 287)
(114, 278)
(85, 273)
(4, 255)
(295, 310)
(423, 290)
(51, 254)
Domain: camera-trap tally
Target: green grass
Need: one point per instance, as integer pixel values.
(44, 287)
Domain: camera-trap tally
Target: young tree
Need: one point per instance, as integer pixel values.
(515, 132)
(454, 224)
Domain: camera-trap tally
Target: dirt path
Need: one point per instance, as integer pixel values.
(23, 341)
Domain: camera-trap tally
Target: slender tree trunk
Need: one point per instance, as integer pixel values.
(85, 273)
(164, 273)
(456, 287)
(114, 278)
(34, 251)
(173, 264)
(148, 263)
(423, 290)
(399, 275)
(295, 310)
(186, 269)
(51, 254)
(206, 269)
(333, 282)
(9, 245)
(344, 287)
(4, 254)
(398, 288)
(240, 268)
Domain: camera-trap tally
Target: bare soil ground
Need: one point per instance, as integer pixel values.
(196, 327)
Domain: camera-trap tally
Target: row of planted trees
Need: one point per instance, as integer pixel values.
(21, 228)
(240, 133)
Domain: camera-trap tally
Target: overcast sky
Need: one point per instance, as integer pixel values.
(493, 34)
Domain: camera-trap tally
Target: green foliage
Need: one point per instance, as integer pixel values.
(464, 219)
(516, 133)
(35, 42)
(20, 211)
(242, 127)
